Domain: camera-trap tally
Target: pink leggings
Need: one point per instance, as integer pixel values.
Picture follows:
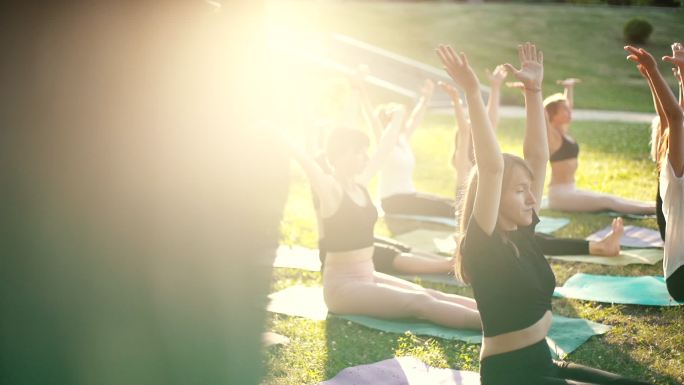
(565, 197)
(356, 288)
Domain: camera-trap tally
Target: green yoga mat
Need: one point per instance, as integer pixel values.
(626, 257)
(429, 240)
(566, 334)
(646, 290)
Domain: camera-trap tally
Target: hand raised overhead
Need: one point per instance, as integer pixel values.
(497, 76)
(451, 91)
(531, 72)
(677, 57)
(641, 57)
(458, 68)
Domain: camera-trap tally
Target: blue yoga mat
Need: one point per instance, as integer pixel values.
(647, 290)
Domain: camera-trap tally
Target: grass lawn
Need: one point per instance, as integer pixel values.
(578, 41)
(645, 342)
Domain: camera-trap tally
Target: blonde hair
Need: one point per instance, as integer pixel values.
(468, 202)
(553, 103)
(659, 142)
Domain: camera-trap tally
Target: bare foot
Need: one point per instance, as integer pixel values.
(610, 245)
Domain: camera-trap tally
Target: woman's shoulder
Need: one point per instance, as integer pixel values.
(476, 243)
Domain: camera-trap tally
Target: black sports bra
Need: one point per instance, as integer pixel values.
(567, 150)
(351, 227)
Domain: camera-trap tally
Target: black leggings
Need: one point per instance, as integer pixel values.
(419, 204)
(660, 217)
(675, 284)
(533, 365)
(551, 245)
(384, 253)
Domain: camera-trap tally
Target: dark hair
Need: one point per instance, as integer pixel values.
(343, 140)
(468, 202)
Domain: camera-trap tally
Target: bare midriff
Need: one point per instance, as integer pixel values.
(515, 340)
(344, 257)
(563, 171)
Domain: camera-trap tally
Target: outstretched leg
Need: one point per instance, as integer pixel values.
(389, 301)
(570, 199)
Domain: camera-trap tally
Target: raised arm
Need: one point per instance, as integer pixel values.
(322, 183)
(675, 115)
(656, 103)
(418, 113)
(671, 108)
(677, 59)
(358, 82)
(496, 79)
(680, 81)
(463, 144)
(569, 90)
(488, 156)
(535, 148)
(387, 143)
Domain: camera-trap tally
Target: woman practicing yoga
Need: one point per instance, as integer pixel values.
(668, 151)
(350, 283)
(564, 151)
(463, 162)
(398, 195)
(498, 255)
(389, 256)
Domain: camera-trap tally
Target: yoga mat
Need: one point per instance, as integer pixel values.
(646, 290)
(429, 240)
(631, 216)
(626, 257)
(566, 334)
(443, 241)
(307, 259)
(451, 222)
(402, 371)
(545, 206)
(634, 236)
(547, 225)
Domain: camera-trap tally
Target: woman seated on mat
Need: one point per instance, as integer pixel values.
(350, 283)
(398, 195)
(389, 256)
(499, 256)
(463, 162)
(669, 156)
(564, 151)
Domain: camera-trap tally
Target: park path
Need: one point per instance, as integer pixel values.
(403, 76)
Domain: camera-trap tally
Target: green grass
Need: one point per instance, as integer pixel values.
(578, 41)
(645, 342)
